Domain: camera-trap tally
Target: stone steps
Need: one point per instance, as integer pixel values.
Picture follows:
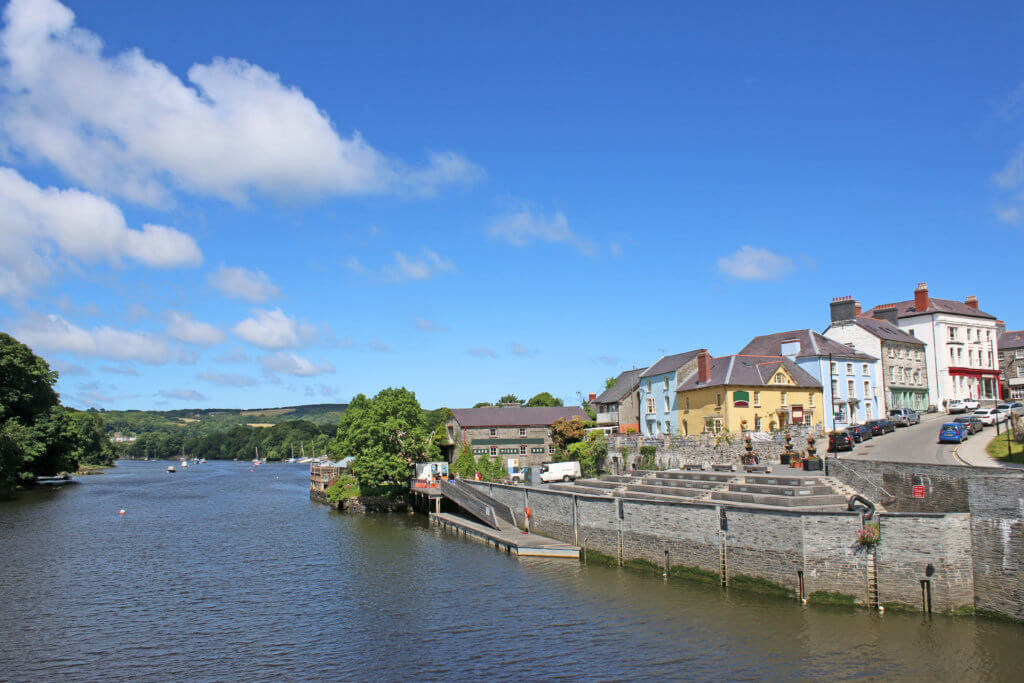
(779, 501)
(797, 491)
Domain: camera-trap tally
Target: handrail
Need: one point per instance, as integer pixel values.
(886, 494)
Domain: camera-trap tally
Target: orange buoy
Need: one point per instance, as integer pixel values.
(122, 512)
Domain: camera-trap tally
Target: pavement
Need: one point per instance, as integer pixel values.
(920, 444)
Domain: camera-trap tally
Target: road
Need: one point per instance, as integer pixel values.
(920, 444)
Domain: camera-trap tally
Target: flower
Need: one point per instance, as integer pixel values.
(869, 535)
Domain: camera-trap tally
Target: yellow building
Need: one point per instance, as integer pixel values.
(747, 393)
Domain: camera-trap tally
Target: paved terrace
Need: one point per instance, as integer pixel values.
(773, 491)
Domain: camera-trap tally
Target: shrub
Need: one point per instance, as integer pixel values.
(343, 487)
(869, 536)
(465, 464)
(647, 457)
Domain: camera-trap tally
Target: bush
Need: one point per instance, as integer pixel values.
(343, 487)
(590, 454)
(647, 457)
(465, 464)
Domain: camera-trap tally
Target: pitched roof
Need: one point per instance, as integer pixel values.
(906, 309)
(812, 345)
(883, 329)
(670, 363)
(750, 371)
(624, 383)
(514, 416)
(1011, 340)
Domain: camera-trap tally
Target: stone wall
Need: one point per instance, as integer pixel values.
(997, 534)
(677, 451)
(771, 545)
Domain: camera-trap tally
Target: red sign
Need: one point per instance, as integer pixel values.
(918, 491)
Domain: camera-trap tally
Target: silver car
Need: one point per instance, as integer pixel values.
(904, 417)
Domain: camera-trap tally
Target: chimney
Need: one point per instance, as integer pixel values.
(843, 308)
(888, 313)
(592, 397)
(703, 367)
(921, 301)
(972, 301)
(1000, 327)
(856, 305)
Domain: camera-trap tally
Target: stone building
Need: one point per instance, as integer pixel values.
(508, 431)
(618, 407)
(657, 392)
(961, 344)
(1011, 363)
(901, 361)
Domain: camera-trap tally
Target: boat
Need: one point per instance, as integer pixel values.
(184, 464)
(202, 461)
(170, 469)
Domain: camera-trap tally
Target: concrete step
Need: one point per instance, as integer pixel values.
(776, 480)
(786, 502)
(667, 490)
(695, 476)
(802, 491)
(683, 483)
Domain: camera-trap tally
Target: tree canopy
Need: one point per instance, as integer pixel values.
(609, 383)
(510, 398)
(544, 399)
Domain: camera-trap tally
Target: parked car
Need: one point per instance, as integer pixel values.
(956, 406)
(1016, 407)
(859, 433)
(839, 441)
(953, 432)
(904, 417)
(888, 425)
(974, 425)
(560, 471)
(989, 416)
(971, 404)
(880, 427)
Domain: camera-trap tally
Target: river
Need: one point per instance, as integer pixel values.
(219, 573)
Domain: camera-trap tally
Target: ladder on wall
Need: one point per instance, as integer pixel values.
(872, 579)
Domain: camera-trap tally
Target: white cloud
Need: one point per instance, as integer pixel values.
(181, 394)
(68, 369)
(42, 226)
(750, 263)
(378, 345)
(482, 352)
(424, 325)
(288, 363)
(1011, 180)
(228, 379)
(321, 390)
(235, 355)
(54, 333)
(520, 350)
(128, 125)
(239, 283)
(427, 265)
(120, 370)
(523, 228)
(272, 329)
(182, 327)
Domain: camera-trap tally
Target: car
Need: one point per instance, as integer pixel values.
(904, 417)
(888, 425)
(1016, 407)
(953, 432)
(989, 416)
(880, 427)
(974, 425)
(970, 404)
(839, 441)
(956, 406)
(859, 433)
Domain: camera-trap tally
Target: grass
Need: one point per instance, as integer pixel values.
(831, 598)
(696, 574)
(755, 584)
(85, 468)
(997, 449)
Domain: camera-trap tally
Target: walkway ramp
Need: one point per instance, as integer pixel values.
(514, 542)
(491, 512)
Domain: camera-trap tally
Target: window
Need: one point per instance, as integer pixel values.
(494, 432)
(833, 369)
(648, 386)
(650, 404)
(522, 431)
(666, 384)
(780, 378)
(1020, 371)
(757, 399)
(522, 450)
(494, 451)
(686, 402)
(988, 335)
(849, 368)
(782, 398)
(851, 392)
(835, 387)
(952, 333)
(952, 355)
(892, 352)
(718, 401)
(668, 428)
(810, 400)
(714, 425)
(757, 423)
(968, 334)
(551, 449)
(970, 356)
(990, 359)
(892, 373)
(867, 389)
(864, 369)
(839, 412)
(1019, 353)
(667, 405)
(959, 355)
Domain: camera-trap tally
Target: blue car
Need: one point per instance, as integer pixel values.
(953, 432)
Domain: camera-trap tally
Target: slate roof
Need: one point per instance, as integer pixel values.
(883, 329)
(1011, 340)
(670, 363)
(624, 383)
(905, 309)
(812, 345)
(750, 371)
(513, 416)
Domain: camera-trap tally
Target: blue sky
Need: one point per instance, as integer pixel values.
(470, 199)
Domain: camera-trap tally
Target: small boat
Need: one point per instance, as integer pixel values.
(170, 469)
(202, 461)
(184, 464)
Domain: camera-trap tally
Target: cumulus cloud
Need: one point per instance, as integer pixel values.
(288, 363)
(482, 352)
(54, 333)
(126, 124)
(750, 263)
(180, 394)
(424, 325)
(68, 369)
(239, 283)
(235, 355)
(43, 226)
(427, 265)
(272, 329)
(228, 379)
(525, 227)
(182, 327)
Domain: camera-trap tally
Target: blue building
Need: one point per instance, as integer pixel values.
(848, 378)
(657, 392)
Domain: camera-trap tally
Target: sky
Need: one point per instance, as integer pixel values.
(205, 206)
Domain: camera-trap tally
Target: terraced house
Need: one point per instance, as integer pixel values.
(618, 406)
(747, 393)
(657, 392)
(1011, 362)
(507, 431)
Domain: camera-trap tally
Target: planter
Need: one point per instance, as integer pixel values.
(796, 463)
(784, 458)
(813, 464)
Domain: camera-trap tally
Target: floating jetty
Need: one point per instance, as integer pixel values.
(512, 541)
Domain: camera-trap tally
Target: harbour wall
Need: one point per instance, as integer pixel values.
(810, 555)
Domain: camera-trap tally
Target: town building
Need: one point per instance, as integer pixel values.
(901, 356)
(747, 393)
(510, 431)
(1011, 363)
(961, 341)
(849, 383)
(657, 393)
(618, 407)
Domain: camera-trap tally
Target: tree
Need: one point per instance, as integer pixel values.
(510, 398)
(465, 463)
(590, 453)
(609, 383)
(565, 432)
(544, 400)
(91, 444)
(483, 404)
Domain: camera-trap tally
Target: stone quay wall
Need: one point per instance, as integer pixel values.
(802, 552)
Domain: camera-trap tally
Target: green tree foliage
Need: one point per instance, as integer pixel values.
(386, 435)
(483, 404)
(491, 470)
(609, 383)
(544, 400)
(590, 453)
(343, 487)
(565, 432)
(648, 457)
(91, 444)
(465, 463)
(510, 398)
(278, 442)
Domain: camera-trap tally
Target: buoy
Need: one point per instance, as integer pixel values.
(122, 512)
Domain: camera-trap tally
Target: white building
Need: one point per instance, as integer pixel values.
(961, 344)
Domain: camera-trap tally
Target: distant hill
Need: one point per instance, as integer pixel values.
(207, 419)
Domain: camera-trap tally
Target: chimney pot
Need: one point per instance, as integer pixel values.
(856, 305)
(972, 301)
(592, 397)
(921, 300)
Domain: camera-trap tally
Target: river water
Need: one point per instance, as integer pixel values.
(219, 573)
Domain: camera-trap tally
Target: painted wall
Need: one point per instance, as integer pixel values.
(703, 403)
(662, 388)
(933, 329)
(869, 406)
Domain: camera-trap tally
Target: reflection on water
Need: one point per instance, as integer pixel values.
(218, 572)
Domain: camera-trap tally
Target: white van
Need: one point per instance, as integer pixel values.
(560, 471)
